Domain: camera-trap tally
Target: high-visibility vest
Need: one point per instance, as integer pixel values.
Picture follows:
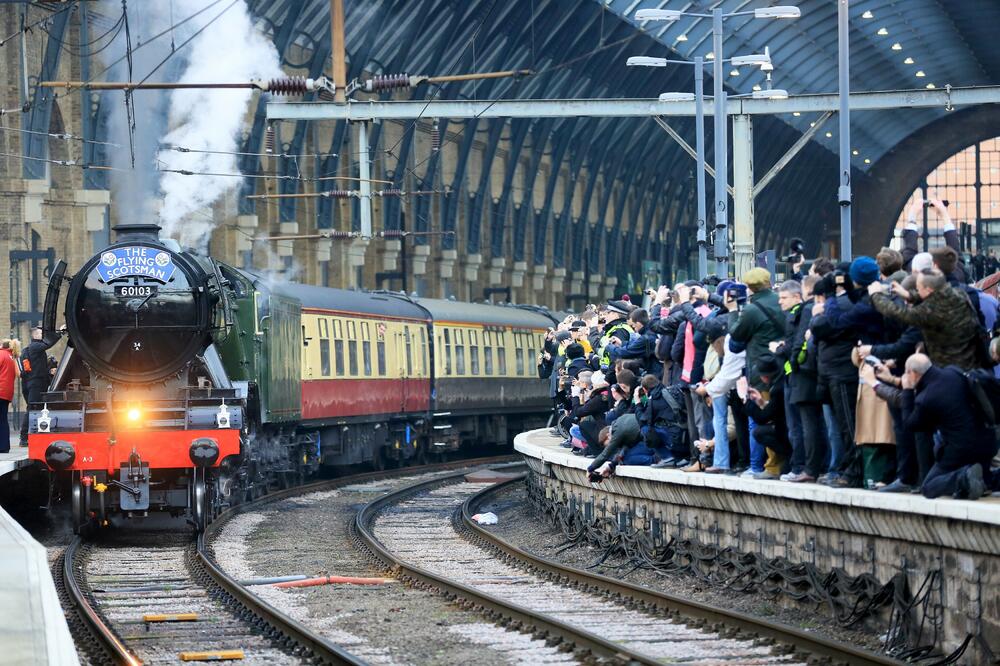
(605, 352)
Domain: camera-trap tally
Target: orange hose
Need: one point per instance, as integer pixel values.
(328, 580)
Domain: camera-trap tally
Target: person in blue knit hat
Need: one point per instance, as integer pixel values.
(864, 271)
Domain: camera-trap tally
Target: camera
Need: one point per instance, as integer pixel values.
(873, 361)
(595, 477)
(928, 204)
(798, 247)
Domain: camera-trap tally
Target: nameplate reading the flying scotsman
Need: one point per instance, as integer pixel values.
(136, 261)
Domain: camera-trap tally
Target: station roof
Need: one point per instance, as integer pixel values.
(578, 50)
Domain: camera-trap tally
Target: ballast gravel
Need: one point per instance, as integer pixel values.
(383, 624)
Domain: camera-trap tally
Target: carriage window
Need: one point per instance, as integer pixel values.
(447, 352)
(324, 332)
(519, 361)
(530, 354)
(409, 351)
(459, 352)
(338, 354)
(380, 351)
(324, 358)
(488, 353)
(352, 356)
(474, 352)
(338, 330)
(501, 361)
(366, 348)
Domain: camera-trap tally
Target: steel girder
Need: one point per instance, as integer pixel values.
(36, 145)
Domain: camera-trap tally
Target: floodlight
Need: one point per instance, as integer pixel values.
(777, 12)
(776, 93)
(645, 61)
(752, 59)
(676, 97)
(657, 15)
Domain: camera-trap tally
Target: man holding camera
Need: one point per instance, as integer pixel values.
(760, 323)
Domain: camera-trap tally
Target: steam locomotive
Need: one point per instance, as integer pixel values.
(188, 385)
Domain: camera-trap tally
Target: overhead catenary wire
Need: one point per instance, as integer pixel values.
(65, 163)
(346, 194)
(62, 136)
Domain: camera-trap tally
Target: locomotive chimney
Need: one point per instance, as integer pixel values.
(147, 231)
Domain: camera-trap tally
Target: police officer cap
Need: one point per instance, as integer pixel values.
(621, 307)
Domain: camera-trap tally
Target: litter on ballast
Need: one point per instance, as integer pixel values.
(488, 518)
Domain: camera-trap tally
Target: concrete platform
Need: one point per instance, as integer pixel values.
(34, 630)
(858, 531)
(14, 460)
(541, 445)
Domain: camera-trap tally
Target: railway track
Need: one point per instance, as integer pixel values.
(150, 598)
(424, 534)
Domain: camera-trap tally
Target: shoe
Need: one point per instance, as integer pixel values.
(716, 470)
(696, 466)
(787, 476)
(766, 476)
(828, 479)
(897, 486)
(801, 477)
(568, 444)
(842, 482)
(748, 474)
(667, 463)
(681, 462)
(974, 482)
(577, 452)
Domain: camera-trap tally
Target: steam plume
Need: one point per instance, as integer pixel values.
(225, 47)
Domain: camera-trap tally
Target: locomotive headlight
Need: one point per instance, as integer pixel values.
(133, 414)
(222, 418)
(44, 420)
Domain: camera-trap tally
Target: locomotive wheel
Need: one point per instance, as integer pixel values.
(77, 491)
(199, 500)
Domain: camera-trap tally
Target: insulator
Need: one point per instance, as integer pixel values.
(390, 192)
(392, 233)
(387, 82)
(339, 234)
(269, 140)
(435, 136)
(339, 194)
(289, 85)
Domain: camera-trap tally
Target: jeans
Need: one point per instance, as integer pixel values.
(4, 426)
(758, 454)
(720, 414)
(638, 454)
(833, 437)
(814, 438)
(740, 454)
(795, 433)
(845, 407)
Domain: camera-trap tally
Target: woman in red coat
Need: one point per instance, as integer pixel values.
(9, 372)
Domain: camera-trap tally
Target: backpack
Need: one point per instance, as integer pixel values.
(985, 391)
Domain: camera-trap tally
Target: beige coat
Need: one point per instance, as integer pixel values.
(873, 424)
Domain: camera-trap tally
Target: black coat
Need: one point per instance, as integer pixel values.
(803, 358)
(35, 362)
(942, 402)
(772, 425)
(835, 347)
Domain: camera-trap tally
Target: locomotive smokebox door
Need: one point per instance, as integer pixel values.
(138, 498)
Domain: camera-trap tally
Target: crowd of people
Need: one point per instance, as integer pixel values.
(881, 373)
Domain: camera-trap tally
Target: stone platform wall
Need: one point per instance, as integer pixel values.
(860, 532)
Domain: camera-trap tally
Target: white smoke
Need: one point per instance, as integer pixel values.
(230, 49)
(224, 47)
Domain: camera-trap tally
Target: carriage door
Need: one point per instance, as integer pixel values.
(406, 362)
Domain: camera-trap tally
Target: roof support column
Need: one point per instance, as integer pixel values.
(743, 217)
